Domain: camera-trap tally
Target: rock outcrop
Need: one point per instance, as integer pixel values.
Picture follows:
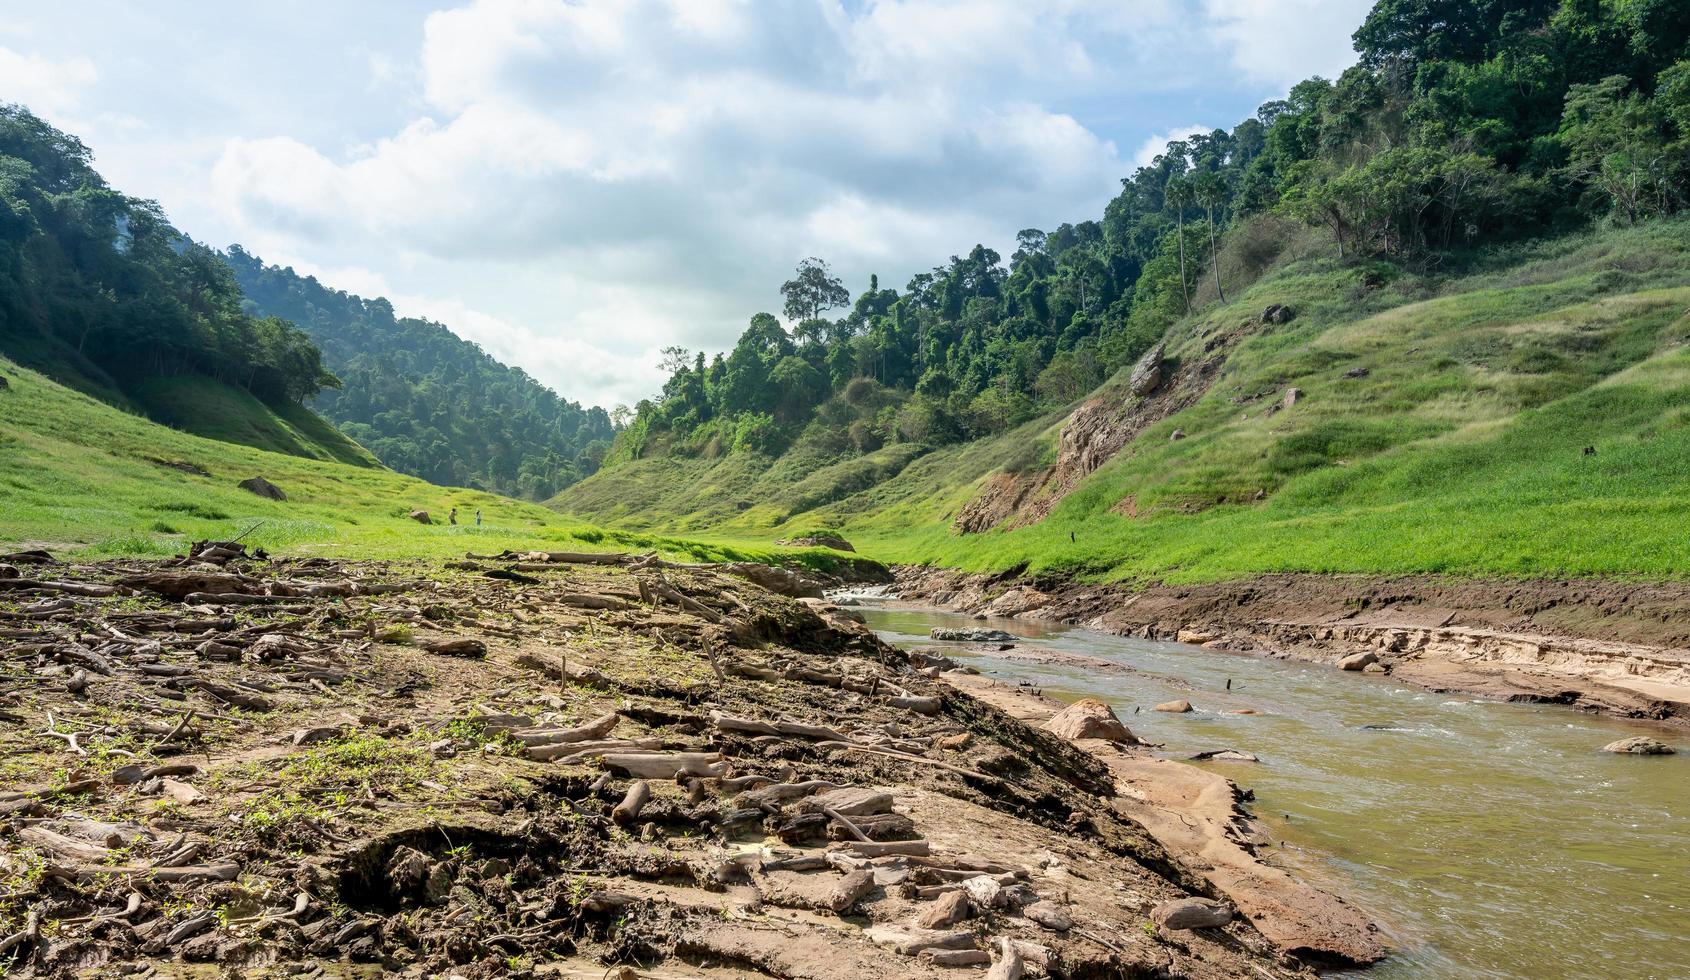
(263, 488)
(1147, 373)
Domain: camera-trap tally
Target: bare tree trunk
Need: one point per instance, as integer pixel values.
(1184, 283)
(1215, 257)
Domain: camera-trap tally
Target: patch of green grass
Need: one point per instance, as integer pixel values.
(80, 477)
(209, 408)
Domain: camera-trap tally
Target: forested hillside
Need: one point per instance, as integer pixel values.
(427, 402)
(1463, 125)
(97, 288)
(1449, 284)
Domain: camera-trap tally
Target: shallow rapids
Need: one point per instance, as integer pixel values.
(1489, 840)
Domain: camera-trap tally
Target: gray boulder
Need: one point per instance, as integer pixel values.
(1639, 745)
(1147, 373)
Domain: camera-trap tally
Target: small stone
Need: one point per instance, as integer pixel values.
(1191, 913)
(179, 791)
(1177, 435)
(1174, 707)
(421, 517)
(1639, 745)
(311, 736)
(985, 891)
(1358, 661)
(1357, 372)
(1292, 397)
(1049, 915)
(947, 911)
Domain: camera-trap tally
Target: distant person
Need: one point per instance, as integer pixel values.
(452, 518)
(478, 517)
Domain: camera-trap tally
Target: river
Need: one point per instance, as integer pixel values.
(1490, 840)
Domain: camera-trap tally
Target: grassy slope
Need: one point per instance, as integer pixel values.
(1461, 451)
(217, 411)
(77, 475)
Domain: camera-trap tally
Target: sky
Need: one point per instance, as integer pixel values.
(577, 184)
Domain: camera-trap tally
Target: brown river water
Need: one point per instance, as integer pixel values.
(1489, 840)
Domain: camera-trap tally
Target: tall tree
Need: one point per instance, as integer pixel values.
(1211, 191)
(812, 291)
(1177, 193)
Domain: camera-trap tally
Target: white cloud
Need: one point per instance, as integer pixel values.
(594, 180)
(1155, 145)
(51, 88)
(1282, 42)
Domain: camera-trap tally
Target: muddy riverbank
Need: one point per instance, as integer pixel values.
(1617, 648)
(537, 764)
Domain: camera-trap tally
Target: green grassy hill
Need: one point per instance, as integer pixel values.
(217, 411)
(80, 477)
(1462, 449)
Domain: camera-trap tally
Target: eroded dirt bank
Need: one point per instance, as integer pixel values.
(543, 764)
(1620, 648)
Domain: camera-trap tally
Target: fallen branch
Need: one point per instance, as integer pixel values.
(596, 729)
(639, 794)
(69, 737)
(906, 757)
(69, 588)
(665, 765)
(173, 732)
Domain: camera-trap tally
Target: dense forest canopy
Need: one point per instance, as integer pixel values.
(104, 279)
(1463, 124)
(427, 402)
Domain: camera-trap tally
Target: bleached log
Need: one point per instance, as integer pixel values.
(569, 752)
(638, 795)
(597, 728)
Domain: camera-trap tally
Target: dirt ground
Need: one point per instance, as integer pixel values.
(541, 765)
(1621, 648)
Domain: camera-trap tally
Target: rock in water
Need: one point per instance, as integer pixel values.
(1191, 913)
(1090, 718)
(1147, 373)
(264, 488)
(1358, 661)
(1174, 707)
(1639, 745)
(976, 634)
